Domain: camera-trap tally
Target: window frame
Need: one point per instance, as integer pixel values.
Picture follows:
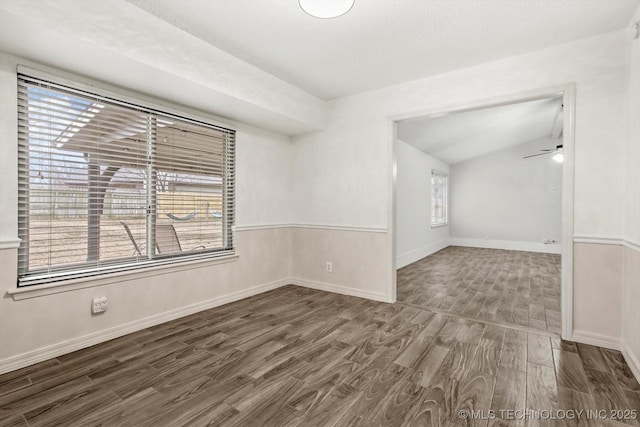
(25, 279)
(445, 198)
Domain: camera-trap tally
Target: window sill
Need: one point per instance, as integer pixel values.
(35, 291)
(439, 225)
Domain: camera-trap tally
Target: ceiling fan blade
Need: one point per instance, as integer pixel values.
(558, 148)
(536, 155)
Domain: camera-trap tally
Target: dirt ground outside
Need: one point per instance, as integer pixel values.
(58, 242)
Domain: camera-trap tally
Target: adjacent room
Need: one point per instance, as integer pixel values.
(319, 212)
(479, 212)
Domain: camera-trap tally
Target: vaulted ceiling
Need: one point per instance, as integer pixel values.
(460, 136)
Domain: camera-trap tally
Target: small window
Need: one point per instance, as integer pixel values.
(439, 199)
(108, 186)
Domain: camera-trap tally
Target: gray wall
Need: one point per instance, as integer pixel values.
(503, 197)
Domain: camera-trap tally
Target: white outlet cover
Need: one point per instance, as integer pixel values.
(99, 305)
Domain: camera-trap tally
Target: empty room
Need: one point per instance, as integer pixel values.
(319, 212)
(481, 190)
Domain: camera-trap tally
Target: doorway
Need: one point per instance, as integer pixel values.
(496, 257)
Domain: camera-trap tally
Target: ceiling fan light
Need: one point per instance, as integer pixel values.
(558, 157)
(326, 8)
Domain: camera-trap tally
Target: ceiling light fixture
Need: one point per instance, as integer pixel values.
(559, 157)
(326, 8)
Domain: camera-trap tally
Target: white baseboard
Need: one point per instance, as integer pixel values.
(507, 245)
(338, 289)
(631, 359)
(417, 254)
(41, 354)
(595, 339)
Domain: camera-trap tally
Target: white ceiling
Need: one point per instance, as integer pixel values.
(117, 44)
(460, 136)
(385, 42)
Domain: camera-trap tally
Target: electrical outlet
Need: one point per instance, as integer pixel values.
(329, 267)
(99, 305)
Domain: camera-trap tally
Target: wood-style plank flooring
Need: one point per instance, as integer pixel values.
(295, 356)
(509, 287)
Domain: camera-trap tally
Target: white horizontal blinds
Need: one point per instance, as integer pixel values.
(228, 206)
(97, 175)
(190, 168)
(438, 198)
(80, 163)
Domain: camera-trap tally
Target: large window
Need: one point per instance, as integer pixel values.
(106, 186)
(438, 199)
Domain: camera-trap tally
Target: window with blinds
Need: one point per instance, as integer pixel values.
(107, 186)
(438, 199)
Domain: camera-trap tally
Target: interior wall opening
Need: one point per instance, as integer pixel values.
(483, 211)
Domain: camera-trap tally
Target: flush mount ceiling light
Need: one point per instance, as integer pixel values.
(559, 157)
(326, 8)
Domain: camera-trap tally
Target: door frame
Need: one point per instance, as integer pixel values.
(568, 92)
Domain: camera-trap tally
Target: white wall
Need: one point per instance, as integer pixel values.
(343, 175)
(415, 239)
(631, 262)
(42, 326)
(501, 200)
(340, 196)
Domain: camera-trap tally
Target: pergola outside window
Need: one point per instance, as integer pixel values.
(105, 185)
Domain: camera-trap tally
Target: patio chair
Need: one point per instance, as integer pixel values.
(167, 241)
(133, 240)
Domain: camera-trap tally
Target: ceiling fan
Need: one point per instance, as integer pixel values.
(557, 150)
(556, 133)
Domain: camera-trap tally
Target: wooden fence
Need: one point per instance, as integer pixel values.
(70, 203)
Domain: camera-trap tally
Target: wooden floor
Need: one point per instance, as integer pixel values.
(295, 356)
(512, 287)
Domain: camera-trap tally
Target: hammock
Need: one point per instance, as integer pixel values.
(182, 218)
